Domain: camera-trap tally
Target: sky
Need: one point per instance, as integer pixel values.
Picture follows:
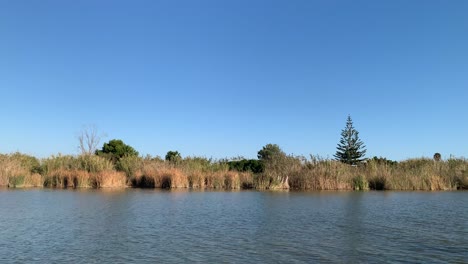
(222, 79)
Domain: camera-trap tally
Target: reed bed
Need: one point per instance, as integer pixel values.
(109, 179)
(413, 174)
(166, 175)
(289, 172)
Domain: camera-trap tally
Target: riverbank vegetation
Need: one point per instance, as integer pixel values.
(280, 171)
(117, 164)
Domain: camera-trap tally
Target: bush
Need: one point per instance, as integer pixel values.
(244, 165)
(116, 149)
(130, 165)
(277, 170)
(173, 157)
(360, 183)
(19, 170)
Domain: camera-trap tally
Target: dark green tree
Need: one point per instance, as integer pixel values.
(252, 165)
(270, 151)
(115, 149)
(351, 150)
(173, 156)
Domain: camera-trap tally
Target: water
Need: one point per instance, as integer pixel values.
(151, 226)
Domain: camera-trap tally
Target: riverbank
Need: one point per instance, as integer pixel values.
(295, 173)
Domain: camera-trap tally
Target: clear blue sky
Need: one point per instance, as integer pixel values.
(223, 78)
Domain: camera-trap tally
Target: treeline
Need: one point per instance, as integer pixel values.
(272, 170)
(117, 164)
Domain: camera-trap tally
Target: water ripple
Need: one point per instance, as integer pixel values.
(148, 226)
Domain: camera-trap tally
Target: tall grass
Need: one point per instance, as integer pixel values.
(323, 174)
(19, 170)
(286, 172)
(412, 174)
(189, 173)
(84, 171)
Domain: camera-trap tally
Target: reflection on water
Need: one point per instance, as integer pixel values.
(133, 225)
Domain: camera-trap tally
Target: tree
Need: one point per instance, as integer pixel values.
(173, 156)
(276, 167)
(115, 149)
(351, 150)
(252, 165)
(269, 151)
(89, 140)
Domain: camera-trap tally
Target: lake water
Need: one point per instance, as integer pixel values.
(154, 226)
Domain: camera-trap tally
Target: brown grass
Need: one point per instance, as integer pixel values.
(14, 173)
(109, 179)
(324, 175)
(196, 179)
(19, 170)
(157, 175)
(162, 175)
(413, 174)
(9, 168)
(67, 179)
(33, 180)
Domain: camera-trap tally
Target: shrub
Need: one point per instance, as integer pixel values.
(360, 183)
(93, 163)
(244, 165)
(130, 165)
(174, 157)
(116, 149)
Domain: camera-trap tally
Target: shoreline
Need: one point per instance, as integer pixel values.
(285, 173)
(5, 187)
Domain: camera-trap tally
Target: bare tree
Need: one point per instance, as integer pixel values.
(89, 140)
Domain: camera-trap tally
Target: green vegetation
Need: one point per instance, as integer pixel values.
(116, 149)
(270, 152)
(246, 165)
(351, 150)
(280, 172)
(119, 165)
(173, 157)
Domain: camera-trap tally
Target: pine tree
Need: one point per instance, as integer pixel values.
(351, 150)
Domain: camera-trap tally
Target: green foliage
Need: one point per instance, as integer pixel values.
(17, 181)
(130, 165)
(173, 157)
(277, 171)
(360, 183)
(66, 162)
(276, 167)
(269, 152)
(92, 163)
(245, 165)
(202, 164)
(88, 163)
(115, 149)
(31, 163)
(351, 150)
(381, 160)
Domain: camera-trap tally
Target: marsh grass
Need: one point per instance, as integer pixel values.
(412, 174)
(19, 170)
(109, 179)
(322, 174)
(196, 173)
(288, 172)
